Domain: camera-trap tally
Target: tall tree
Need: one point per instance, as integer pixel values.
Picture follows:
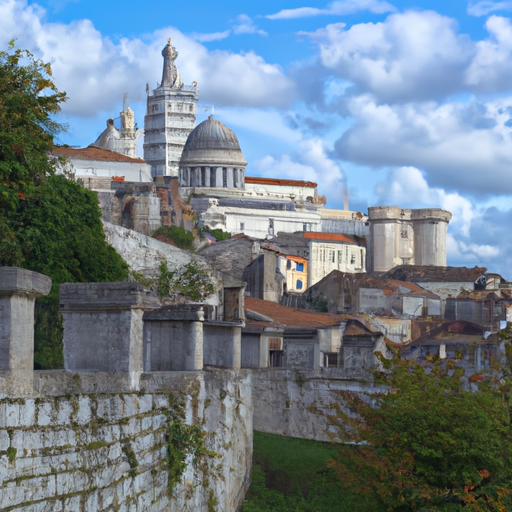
(48, 223)
(429, 443)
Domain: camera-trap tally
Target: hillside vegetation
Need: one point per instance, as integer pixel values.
(48, 223)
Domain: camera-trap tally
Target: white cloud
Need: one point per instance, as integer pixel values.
(460, 146)
(311, 163)
(340, 7)
(213, 36)
(482, 8)
(95, 71)
(411, 55)
(407, 187)
(244, 25)
(490, 69)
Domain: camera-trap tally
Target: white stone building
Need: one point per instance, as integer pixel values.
(122, 141)
(170, 117)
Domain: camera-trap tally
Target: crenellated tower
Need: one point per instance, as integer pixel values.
(170, 117)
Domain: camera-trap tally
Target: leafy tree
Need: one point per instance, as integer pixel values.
(179, 235)
(48, 223)
(429, 443)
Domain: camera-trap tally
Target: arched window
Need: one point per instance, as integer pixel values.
(298, 284)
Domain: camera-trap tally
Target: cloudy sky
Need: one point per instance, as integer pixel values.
(406, 103)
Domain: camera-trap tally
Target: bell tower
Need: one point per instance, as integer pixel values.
(170, 117)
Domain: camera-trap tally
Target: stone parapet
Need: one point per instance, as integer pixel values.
(436, 214)
(79, 296)
(103, 327)
(20, 280)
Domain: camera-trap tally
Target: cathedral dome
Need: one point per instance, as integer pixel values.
(212, 143)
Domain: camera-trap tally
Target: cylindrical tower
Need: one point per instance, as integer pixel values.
(430, 229)
(391, 238)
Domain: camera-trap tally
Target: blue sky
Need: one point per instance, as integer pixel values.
(403, 102)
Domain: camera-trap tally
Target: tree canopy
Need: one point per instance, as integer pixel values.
(430, 442)
(48, 223)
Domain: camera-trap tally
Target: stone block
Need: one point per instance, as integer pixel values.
(72, 504)
(84, 413)
(4, 440)
(45, 413)
(64, 412)
(145, 403)
(27, 440)
(70, 482)
(130, 405)
(161, 401)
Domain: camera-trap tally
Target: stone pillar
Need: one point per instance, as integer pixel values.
(18, 291)
(103, 327)
(222, 344)
(173, 338)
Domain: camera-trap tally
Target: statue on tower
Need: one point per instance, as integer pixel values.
(170, 76)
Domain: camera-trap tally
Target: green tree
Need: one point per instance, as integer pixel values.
(48, 223)
(429, 443)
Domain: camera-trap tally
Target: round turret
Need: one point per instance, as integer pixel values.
(212, 157)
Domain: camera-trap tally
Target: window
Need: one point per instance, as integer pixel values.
(203, 176)
(332, 256)
(289, 264)
(242, 226)
(270, 226)
(235, 178)
(352, 259)
(275, 359)
(224, 177)
(299, 267)
(331, 359)
(298, 284)
(213, 177)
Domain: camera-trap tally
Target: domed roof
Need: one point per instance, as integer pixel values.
(211, 142)
(212, 134)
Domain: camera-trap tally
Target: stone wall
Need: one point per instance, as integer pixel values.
(68, 448)
(296, 403)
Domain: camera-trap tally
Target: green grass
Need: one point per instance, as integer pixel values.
(291, 475)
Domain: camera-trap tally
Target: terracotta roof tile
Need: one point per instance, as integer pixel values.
(91, 153)
(279, 182)
(290, 317)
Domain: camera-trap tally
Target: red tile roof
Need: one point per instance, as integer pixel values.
(279, 182)
(335, 237)
(291, 317)
(90, 153)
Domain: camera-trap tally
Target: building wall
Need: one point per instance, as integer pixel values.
(131, 171)
(324, 257)
(170, 117)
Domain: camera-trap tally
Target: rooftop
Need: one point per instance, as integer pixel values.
(92, 153)
(284, 316)
(429, 274)
(279, 182)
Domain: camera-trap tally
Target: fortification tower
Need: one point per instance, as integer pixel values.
(406, 237)
(170, 117)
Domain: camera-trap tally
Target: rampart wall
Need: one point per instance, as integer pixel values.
(298, 403)
(105, 434)
(68, 448)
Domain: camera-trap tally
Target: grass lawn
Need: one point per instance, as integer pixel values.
(291, 475)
